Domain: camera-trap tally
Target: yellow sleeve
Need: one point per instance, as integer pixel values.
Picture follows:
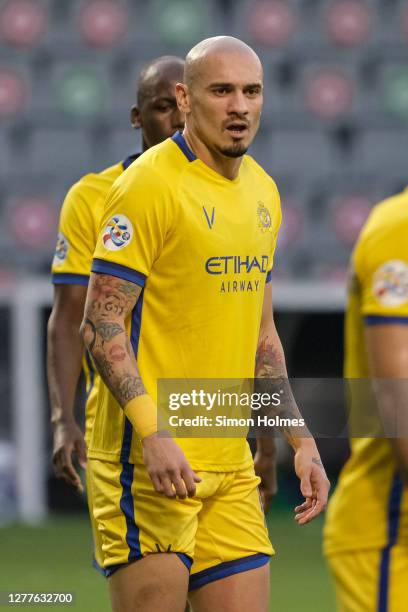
(137, 217)
(381, 265)
(76, 239)
(276, 223)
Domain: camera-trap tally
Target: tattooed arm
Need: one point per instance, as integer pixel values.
(270, 365)
(109, 304)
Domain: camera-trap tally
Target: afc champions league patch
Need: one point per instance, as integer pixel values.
(390, 283)
(264, 218)
(61, 250)
(117, 233)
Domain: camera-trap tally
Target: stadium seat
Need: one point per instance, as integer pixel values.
(183, 22)
(394, 90)
(349, 213)
(81, 92)
(23, 23)
(32, 222)
(67, 152)
(304, 154)
(348, 23)
(271, 23)
(381, 153)
(404, 23)
(102, 23)
(328, 92)
(13, 92)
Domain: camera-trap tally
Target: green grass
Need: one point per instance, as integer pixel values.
(57, 557)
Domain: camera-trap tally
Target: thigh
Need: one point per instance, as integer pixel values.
(133, 520)
(240, 592)
(231, 537)
(156, 582)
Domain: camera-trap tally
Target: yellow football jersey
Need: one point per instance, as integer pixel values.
(369, 508)
(201, 246)
(77, 234)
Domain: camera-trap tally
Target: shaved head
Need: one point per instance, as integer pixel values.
(221, 98)
(165, 68)
(210, 49)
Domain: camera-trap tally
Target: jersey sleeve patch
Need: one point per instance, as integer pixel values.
(117, 233)
(390, 283)
(61, 250)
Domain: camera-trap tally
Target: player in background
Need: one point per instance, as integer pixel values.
(157, 116)
(162, 302)
(366, 531)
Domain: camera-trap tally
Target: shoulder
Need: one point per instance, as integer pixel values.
(158, 169)
(387, 218)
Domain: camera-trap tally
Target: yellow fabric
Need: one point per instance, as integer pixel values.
(357, 579)
(142, 413)
(359, 512)
(132, 526)
(77, 233)
(202, 246)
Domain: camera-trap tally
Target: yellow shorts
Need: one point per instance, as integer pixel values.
(371, 580)
(219, 532)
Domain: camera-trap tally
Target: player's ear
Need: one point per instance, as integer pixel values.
(135, 117)
(183, 98)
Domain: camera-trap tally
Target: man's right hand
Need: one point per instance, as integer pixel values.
(68, 439)
(168, 467)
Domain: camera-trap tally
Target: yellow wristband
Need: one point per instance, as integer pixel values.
(142, 413)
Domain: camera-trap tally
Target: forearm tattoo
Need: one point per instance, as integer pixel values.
(271, 377)
(110, 301)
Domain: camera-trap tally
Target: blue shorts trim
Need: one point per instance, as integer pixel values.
(385, 320)
(108, 571)
(100, 266)
(269, 276)
(228, 568)
(67, 278)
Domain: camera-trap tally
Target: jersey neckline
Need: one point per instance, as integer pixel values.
(180, 141)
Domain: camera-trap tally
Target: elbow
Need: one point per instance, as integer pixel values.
(87, 333)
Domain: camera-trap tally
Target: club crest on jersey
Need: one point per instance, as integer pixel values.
(61, 250)
(390, 283)
(117, 233)
(264, 218)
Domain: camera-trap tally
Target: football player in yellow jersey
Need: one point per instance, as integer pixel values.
(366, 531)
(181, 288)
(158, 117)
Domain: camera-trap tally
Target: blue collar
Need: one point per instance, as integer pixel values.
(129, 160)
(180, 141)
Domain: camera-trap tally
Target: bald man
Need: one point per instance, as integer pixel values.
(157, 116)
(181, 288)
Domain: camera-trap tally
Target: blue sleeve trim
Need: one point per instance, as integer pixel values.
(228, 568)
(269, 276)
(370, 320)
(66, 278)
(101, 266)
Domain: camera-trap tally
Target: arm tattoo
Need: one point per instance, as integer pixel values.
(317, 461)
(110, 301)
(271, 377)
(107, 331)
(129, 388)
